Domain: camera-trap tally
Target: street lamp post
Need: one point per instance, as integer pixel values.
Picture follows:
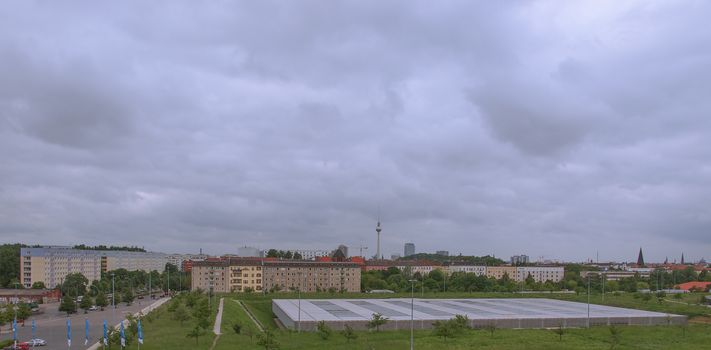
(412, 314)
(113, 298)
(602, 277)
(588, 324)
(299, 318)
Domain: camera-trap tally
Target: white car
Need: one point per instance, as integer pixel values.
(37, 342)
(93, 308)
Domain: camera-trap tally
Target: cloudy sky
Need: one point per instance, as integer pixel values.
(549, 128)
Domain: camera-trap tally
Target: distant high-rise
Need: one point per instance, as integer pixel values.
(640, 258)
(343, 249)
(442, 252)
(409, 249)
(520, 259)
(682, 258)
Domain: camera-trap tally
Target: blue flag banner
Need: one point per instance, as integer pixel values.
(69, 333)
(140, 332)
(106, 338)
(14, 330)
(123, 336)
(86, 331)
(34, 328)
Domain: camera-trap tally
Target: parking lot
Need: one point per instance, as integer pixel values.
(51, 325)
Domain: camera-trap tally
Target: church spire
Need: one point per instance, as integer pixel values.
(640, 258)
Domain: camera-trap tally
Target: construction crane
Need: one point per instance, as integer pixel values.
(361, 248)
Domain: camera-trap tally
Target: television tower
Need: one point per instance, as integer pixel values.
(378, 229)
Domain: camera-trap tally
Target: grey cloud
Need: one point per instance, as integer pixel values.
(476, 127)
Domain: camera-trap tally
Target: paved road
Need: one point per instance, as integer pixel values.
(52, 325)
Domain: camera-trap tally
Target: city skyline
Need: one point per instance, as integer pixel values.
(571, 131)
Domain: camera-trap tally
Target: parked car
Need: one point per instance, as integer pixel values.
(37, 342)
(93, 308)
(20, 346)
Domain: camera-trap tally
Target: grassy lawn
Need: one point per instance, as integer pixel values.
(165, 333)
(160, 332)
(262, 311)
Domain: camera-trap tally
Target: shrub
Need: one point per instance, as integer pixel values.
(324, 331)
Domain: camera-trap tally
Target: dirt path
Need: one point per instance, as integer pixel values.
(218, 324)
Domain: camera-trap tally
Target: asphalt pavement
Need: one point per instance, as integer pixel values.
(51, 325)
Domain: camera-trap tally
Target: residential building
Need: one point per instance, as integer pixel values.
(52, 264)
(540, 273)
(519, 259)
(498, 272)
(409, 249)
(312, 254)
(178, 259)
(211, 275)
(479, 270)
(443, 252)
(395, 256)
(13, 296)
(311, 276)
(261, 275)
(694, 286)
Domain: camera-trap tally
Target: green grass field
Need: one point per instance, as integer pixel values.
(160, 332)
(169, 335)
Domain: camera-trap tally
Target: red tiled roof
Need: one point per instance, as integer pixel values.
(691, 285)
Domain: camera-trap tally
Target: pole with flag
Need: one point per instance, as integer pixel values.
(86, 331)
(14, 332)
(106, 338)
(123, 337)
(69, 334)
(140, 334)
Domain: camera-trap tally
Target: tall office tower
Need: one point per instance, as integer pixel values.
(409, 249)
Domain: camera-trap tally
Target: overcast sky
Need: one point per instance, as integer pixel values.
(549, 128)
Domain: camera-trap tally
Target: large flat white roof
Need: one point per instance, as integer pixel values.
(440, 309)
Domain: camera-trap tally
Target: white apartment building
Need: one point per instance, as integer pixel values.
(479, 270)
(540, 273)
(312, 254)
(177, 259)
(52, 264)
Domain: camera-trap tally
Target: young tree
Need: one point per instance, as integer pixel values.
(460, 322)
(196, 333)
(377, 321)
(101, 300)
(181, 314)
(75, 284)
(237, 327)
(560, 331)
(491, 328)
(443, 329)
(38, 285)
(67, 305)
(349, 334)
(267, 340)
(23, 311)
(615, 336)
(324, 331)
(128, 297)
(86, 303)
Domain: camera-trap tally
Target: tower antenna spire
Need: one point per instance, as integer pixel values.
(378, 229)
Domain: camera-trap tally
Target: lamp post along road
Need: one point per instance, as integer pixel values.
(588, 301)
(113, 299)
(412, 314)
